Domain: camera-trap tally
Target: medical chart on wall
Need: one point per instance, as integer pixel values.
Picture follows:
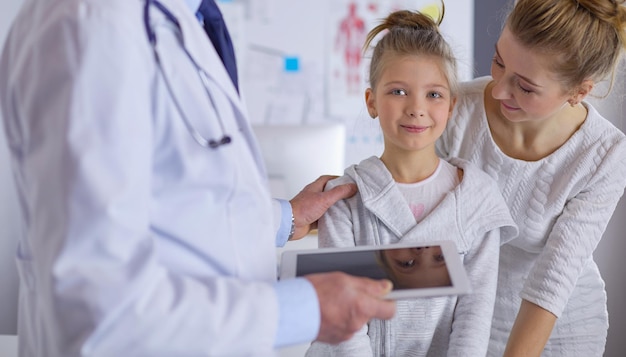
(349, 22)
(301, 62)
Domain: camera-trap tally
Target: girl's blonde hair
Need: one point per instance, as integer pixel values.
(411, 33)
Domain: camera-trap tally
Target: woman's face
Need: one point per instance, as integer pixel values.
(524, 86)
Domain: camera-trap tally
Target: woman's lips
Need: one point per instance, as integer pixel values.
(508, 107)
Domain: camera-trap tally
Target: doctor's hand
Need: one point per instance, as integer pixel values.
(312, 202)
(347, 303)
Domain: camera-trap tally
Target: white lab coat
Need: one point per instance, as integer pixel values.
(138, 241)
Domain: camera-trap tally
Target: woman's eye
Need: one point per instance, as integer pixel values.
(524, 90)
(439, 258)
(497, 63)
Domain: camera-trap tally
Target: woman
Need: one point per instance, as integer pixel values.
(560, 166)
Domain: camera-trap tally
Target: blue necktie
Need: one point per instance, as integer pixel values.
(218, 33)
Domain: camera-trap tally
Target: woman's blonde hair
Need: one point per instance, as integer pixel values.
(411, 33)
(585, 37)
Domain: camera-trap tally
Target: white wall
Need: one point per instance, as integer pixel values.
(9, 228)
(610, 253)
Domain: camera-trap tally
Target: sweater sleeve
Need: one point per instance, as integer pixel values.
(576, 233)
(472, 316)
(486, 223)
(358, 345)
(335, 229)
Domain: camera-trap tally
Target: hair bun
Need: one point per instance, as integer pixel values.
(606, 10)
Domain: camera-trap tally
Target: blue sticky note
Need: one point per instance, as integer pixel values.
(292, 64)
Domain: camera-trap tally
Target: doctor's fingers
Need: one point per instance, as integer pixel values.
(312, 202)
(333, 195)
(347, 303)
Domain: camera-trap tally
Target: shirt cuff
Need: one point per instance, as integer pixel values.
(299, 312)
(284, 227)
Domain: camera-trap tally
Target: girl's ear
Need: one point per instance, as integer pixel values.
(370, 103)
(452, 104)
(579, 93)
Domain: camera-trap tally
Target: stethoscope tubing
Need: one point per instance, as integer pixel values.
(152, 39)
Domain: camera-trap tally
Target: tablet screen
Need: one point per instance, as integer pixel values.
(425, 270)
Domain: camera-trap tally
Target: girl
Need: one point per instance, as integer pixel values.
(410, 194)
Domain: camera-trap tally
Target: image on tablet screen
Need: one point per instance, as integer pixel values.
(407, 268)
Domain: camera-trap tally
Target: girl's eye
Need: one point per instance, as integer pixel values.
(398, 92)
(407, 263)
(435, 95)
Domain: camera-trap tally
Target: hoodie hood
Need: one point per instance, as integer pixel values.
(464, 210)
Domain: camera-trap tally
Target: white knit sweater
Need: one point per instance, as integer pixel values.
(561, 204)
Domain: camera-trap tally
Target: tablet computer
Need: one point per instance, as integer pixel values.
(416, 270)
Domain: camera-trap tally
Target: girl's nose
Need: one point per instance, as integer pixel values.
(415, 109)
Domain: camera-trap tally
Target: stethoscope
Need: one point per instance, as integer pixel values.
(210, 143)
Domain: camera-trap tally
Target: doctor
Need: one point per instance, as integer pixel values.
(148, 225)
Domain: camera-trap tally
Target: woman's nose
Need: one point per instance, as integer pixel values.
(500, 90)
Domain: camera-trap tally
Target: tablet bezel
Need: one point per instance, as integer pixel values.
(454, 264)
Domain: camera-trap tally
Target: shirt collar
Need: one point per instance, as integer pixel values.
(193, 5)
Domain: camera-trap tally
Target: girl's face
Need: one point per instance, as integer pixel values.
(413, 102)
(417, 267)
(524, 87)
